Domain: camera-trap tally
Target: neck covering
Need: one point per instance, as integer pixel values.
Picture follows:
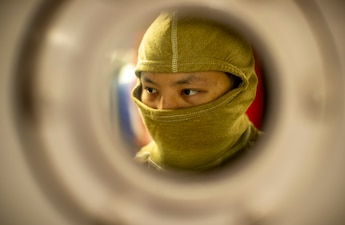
(204, 136)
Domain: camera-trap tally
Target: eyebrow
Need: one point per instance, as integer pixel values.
(188, 80)
(148, 80)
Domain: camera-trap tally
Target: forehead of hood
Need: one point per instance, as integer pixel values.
(184, 43)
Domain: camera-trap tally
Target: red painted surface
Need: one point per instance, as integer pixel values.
(255, 111)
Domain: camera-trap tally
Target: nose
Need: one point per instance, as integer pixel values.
(169, 102)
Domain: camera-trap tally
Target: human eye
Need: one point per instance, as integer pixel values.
(189, 92)
(150, 90)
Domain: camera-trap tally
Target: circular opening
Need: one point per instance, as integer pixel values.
(133, 129)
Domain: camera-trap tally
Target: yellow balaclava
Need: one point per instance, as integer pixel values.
(201, 137)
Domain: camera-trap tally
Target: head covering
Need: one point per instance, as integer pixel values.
(200, 137)
(182, 43)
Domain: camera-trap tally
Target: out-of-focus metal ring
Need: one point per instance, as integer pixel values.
(80, 161)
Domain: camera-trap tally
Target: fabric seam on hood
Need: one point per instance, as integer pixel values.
(174, 43)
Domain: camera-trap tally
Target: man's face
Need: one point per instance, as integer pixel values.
(182, 90)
